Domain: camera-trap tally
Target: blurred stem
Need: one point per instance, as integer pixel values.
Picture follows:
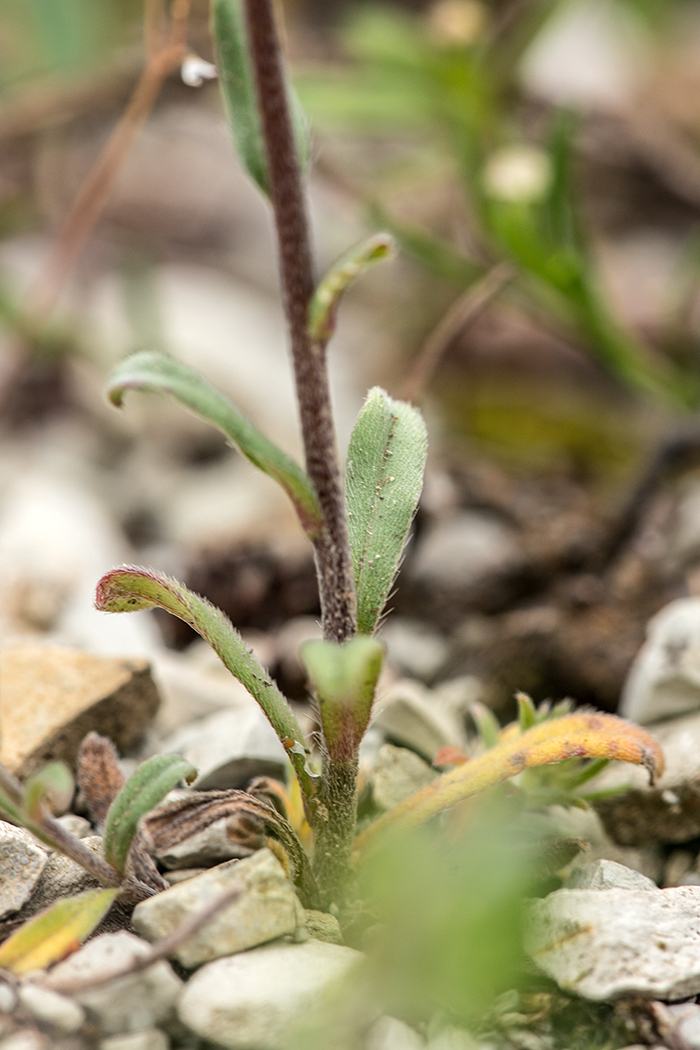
(462, 313)
(332, 547)
(95, 190)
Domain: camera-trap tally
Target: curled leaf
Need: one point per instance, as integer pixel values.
(53, 933)
(385, 464)
(152, 372)
(129, 588)
(144, 790)
(326, 298)
(583, 735)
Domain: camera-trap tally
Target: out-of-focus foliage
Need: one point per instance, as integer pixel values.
(451, 78)
(49, 36)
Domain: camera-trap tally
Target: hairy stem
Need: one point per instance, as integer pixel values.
(334, 830)
(332, 547)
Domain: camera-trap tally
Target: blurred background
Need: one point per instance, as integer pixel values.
(538, 162)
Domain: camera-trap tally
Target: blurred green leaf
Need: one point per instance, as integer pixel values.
(51, 786)
(55, 932)
(384, 477)
(344, 678)
(149, 371)
(142, 792)
(487, 724)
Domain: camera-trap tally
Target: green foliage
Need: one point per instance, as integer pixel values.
(344, 678)
(156, 373)
(384, 477)
(142, 792)
(461, 98)
(52, 787)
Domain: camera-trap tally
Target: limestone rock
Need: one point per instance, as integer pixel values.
(8, 999)
(608, 875)
(209, 846)
(22, 861)
(461, 550)
(26, 1039)
(62, 877)
(50, 698)
(260, 998)
(268, 908)
(61, 1015)
(397, 774)
(126, 1004)
(686, 1018)
(230, 747)
(407, 718)
(606, 944)
(323, 926)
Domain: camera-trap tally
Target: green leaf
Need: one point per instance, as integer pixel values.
(51, 786)
(129, 589)
(324, 305)
(152, 372)
(527, 713)
(487, 724)
(142, 792)
(51, 934)
(385, 464)
(240, 97)
(344, 678)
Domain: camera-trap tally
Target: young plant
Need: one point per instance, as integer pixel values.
(358, 533)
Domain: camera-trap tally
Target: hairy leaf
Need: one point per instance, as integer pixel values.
(385, 464)
(129, 588)
(344, 678)
(156, 373)
(142, 792)
(52, 934)
(240, 97)
(324, 305)
(586, 735)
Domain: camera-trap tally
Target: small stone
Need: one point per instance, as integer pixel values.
(398, 773)
(62, 877)
(261, 997)
(22, 860)
(388, 1033)
(406, 716)
(51, 698)
(146, 1039)
(664, 679)
(25, 1039)
(461, 550)
(267, 908)
(608, 875)
(75, 825)
(687, 1022)
(585, 824)
(56, 1012)
(126, 1004)
(415, 648)
(323, 926)
(230, 747)
(211, 845)
(8, 999)
(608, 944)
(678, 866)
(182, 875)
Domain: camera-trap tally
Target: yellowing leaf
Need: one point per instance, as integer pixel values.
(55, 932)
(583, 735)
